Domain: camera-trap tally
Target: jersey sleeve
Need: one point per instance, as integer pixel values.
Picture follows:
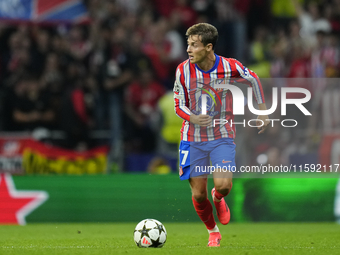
(244, 75)
(181, 97)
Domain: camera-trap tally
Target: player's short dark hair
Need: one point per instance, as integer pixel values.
(206, 32)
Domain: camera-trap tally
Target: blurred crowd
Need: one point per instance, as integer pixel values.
(110, 73)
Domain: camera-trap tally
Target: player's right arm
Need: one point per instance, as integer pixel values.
(250, 78)
(182, 103)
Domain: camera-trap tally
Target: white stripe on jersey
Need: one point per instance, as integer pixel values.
(226, 66)
(185, 131)
(210, 129)
(197, 130)
(182, 103)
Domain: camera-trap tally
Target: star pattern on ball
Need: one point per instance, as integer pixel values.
(144, 231)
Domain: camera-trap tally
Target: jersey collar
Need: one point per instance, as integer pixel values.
(213, 68)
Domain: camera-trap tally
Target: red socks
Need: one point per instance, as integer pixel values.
(205, 212)
(219, 196)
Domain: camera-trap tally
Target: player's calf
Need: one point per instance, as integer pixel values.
(222, 187)
(205, 212)
(222, 209)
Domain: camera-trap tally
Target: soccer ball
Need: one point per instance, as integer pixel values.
(149, 233)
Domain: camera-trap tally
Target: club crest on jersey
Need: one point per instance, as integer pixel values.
(180, 171)
(210, 104)
(210, 93)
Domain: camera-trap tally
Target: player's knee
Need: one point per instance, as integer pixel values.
(223, 188)
(199, 196)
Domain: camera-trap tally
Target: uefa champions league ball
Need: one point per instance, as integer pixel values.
(149, 233)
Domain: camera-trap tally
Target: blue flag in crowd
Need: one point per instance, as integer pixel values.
(43, 10)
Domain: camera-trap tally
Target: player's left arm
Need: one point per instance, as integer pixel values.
(249, 77)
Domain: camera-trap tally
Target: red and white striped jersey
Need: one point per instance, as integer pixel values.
(190, 85)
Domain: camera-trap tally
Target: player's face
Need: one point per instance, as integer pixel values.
(196, 50)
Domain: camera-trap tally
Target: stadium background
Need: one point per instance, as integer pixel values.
(86, 111)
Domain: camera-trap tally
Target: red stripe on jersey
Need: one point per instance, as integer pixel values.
(193, 85)
(229, 103)
(180, 112)
(235, 73)
(220, 75)
(182, 80)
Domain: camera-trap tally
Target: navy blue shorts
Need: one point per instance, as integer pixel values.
(202, 158)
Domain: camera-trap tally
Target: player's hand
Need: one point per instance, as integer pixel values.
(202, 119)
(266, 122)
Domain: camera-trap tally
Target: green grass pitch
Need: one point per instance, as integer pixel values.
(183, 238)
